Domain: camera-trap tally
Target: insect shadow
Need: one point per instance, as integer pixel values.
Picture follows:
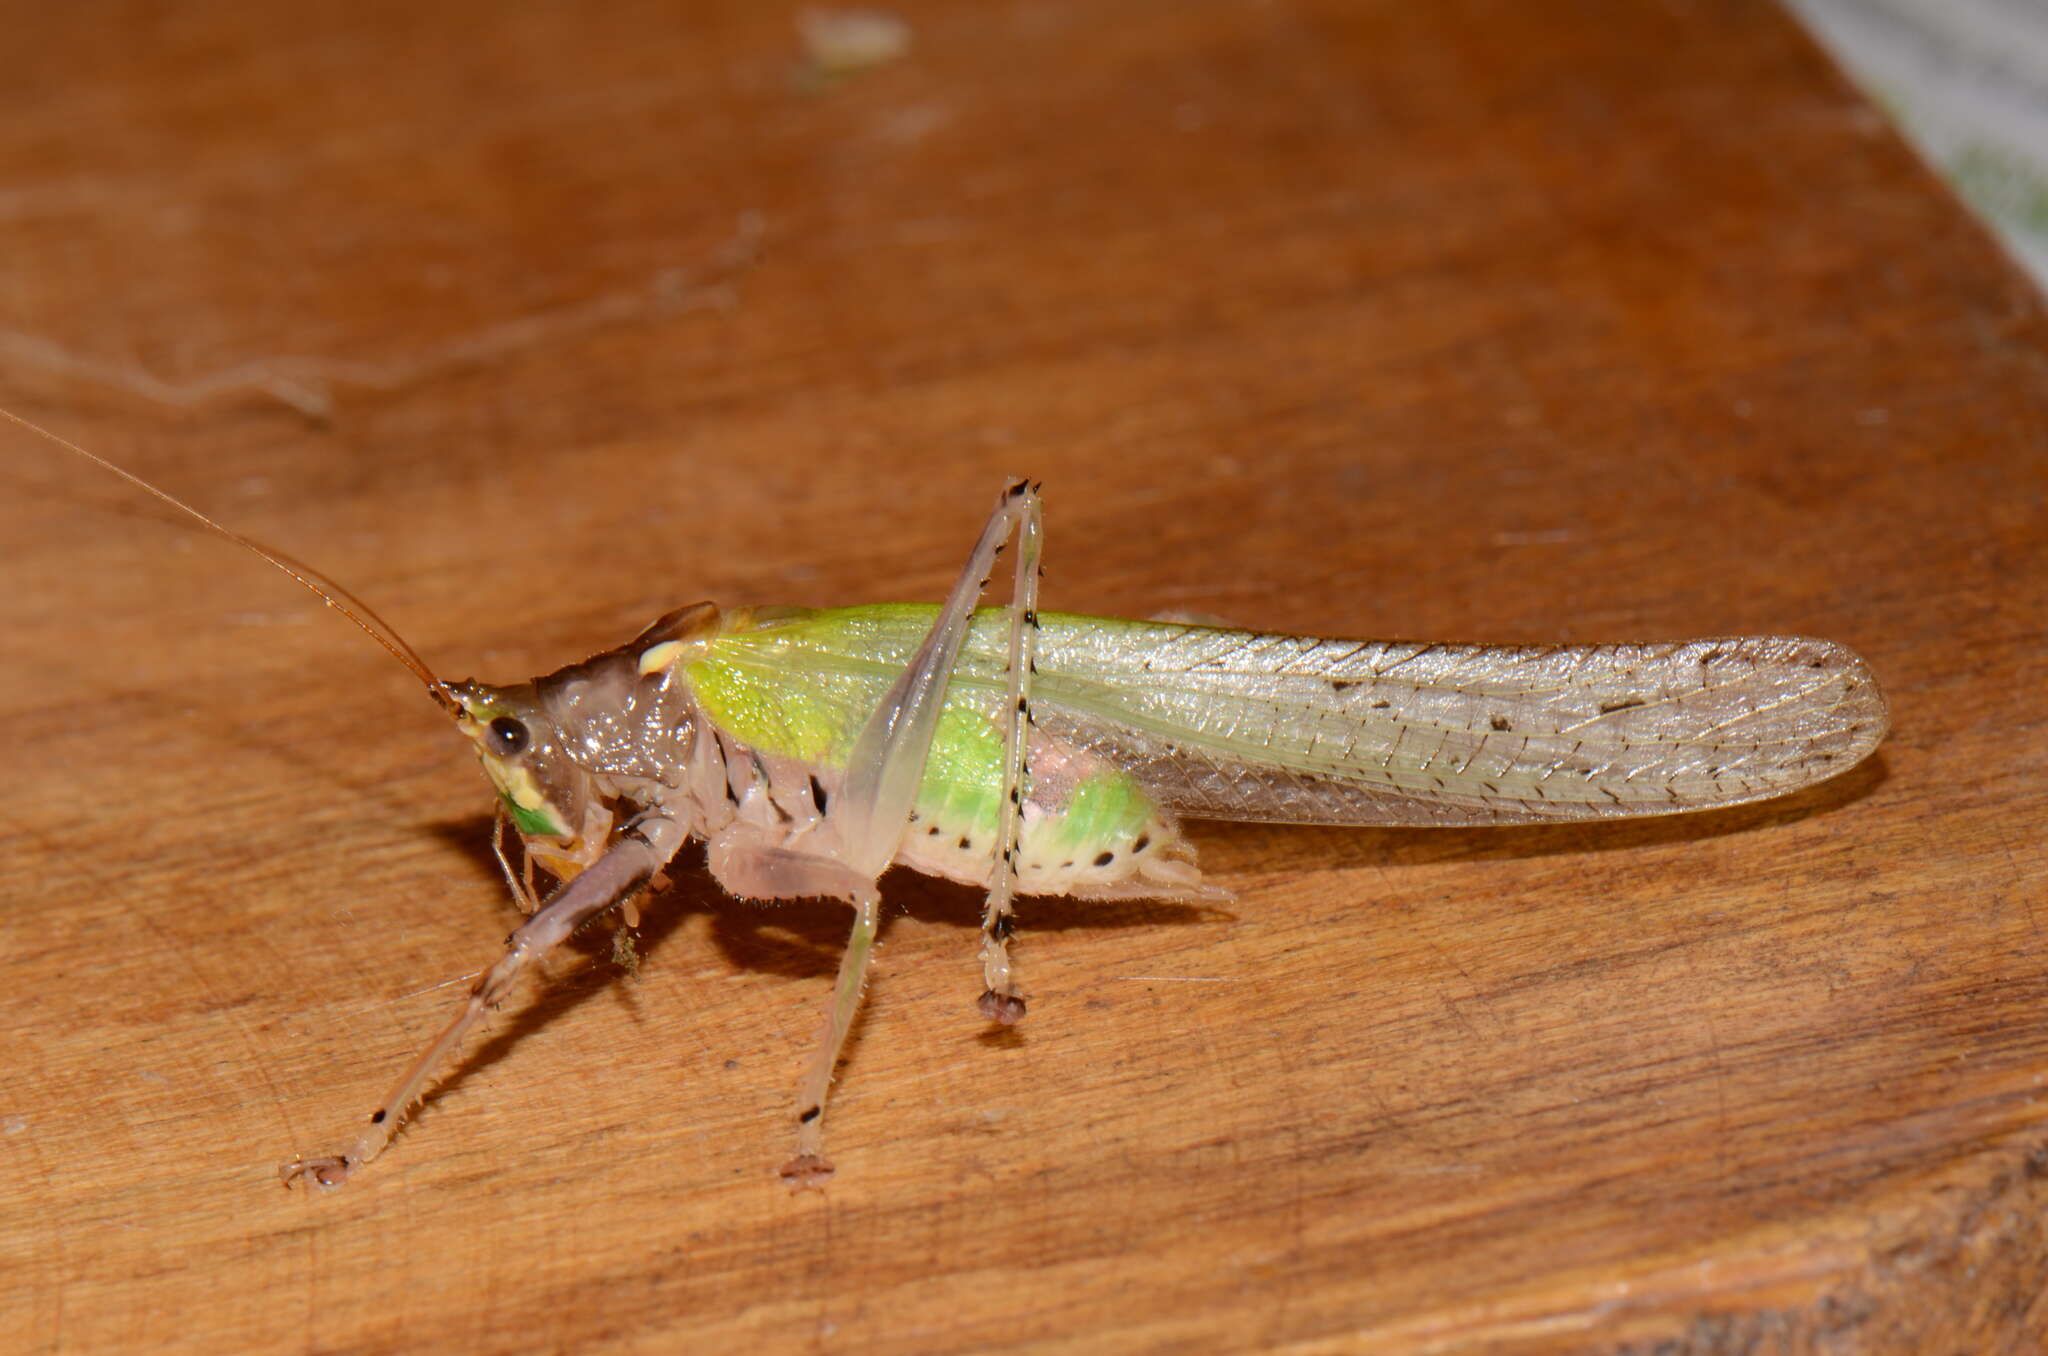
(799, 939)
(793, 939)
(1391, 847)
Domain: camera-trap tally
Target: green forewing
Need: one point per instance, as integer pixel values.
(802, 687)
(1247, 725)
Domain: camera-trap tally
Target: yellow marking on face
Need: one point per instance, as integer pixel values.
(515, 782)
(532, 812)
(518, 783)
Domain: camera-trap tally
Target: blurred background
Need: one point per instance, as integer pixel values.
(1968, 82)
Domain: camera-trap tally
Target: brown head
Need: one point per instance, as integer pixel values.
(563, 745)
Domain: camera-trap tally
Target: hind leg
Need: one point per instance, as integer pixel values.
(1000, 1002)
(844, 854)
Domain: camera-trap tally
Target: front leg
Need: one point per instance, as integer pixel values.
(640, 851)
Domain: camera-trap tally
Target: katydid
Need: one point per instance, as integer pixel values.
(1047, 754)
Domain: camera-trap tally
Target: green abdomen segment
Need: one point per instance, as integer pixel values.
(801, 687)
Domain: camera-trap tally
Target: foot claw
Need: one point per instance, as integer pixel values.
(1005, 1009)
(326, 1173)
(806, 1170)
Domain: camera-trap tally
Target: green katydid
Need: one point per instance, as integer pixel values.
(1029, 753)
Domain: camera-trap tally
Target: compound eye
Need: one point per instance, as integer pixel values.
(508, 737)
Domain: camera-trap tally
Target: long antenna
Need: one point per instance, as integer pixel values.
(326, 590)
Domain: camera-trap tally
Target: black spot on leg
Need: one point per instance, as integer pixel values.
(809, 1115)
(1144, 841)
(818, 797)
(1104, 858)
(933, 829)
(966, 843)
(377, 1116)
(1002, 927)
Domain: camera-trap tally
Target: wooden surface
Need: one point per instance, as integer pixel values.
(1483, 321)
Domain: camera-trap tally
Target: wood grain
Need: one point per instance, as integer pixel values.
(1464, 321)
